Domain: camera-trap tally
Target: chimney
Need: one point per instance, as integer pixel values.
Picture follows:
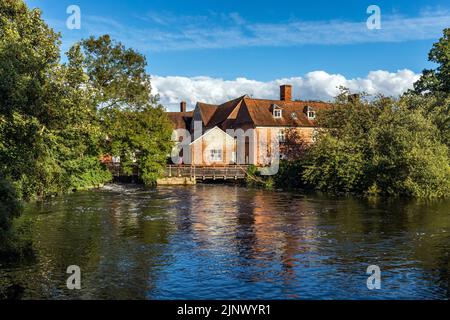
(183, 106)
(286, 92)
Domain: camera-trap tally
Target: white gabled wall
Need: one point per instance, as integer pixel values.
(213, 139)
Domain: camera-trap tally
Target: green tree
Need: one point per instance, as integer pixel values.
(141, 137)
(335, 165)
(431, 92)
(117, 74)
(29, 56)
(437, 80)
(436, 108)
(48, 128)
(408, 157)
(54, 117)
(378, 146)
(10, 208)
(135, 126)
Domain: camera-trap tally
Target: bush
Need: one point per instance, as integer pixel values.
(10, 208)
(385, 148)
(254, 179)
(335, 165)
(290, 175)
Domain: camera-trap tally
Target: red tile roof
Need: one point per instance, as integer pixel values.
(224, 111)
(293, 112)
(206, 111)
(251, 112)
(181, 120)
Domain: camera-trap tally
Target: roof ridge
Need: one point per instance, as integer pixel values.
(248, 111)
(207, 104)
(234, 100)
(206, 117)
(291, 101)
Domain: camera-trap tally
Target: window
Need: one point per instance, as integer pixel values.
(216, 155)
(277, 113)
(281, 136)
(294, 116)
(311, 114)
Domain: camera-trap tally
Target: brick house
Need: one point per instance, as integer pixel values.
(234, 131)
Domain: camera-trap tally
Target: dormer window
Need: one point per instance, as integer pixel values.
(277, 114)
(277, 111)
(310, 113)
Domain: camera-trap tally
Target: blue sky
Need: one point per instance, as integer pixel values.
(263, 41)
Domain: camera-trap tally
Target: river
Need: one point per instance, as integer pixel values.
(228, 242)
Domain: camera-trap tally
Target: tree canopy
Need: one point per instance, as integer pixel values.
(379, 146)
(57, 119)
(437, 80)
(136, 126)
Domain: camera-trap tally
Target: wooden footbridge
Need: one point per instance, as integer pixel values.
(176, 173)
(230, 172)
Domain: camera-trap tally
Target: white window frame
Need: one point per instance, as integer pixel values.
(215, 155)
(311, 114)
(281, 136)
(277, 113)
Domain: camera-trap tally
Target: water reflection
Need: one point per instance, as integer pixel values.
(227, 242)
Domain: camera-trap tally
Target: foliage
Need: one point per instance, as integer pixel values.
(293, 150)
(437, 80)
(255, 179)
(57, 120)
(335, 165)
(252, 173)
(431, 92)
(10, 209)
(28, 59)
(55, 117)
(48, 125)
(137, 128)
(290, 175)
(384, 147)
(141, 136)
(293, 146)
(117, 74)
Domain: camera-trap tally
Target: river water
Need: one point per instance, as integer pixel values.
(229, 242)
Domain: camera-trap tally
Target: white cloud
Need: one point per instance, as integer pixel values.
(165, 31)
(316, 85)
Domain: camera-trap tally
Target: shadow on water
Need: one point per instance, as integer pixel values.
(228, 242)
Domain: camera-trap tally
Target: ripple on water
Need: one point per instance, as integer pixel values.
(217, 241)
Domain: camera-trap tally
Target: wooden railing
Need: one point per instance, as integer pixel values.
(207, 172)
(187, 171)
